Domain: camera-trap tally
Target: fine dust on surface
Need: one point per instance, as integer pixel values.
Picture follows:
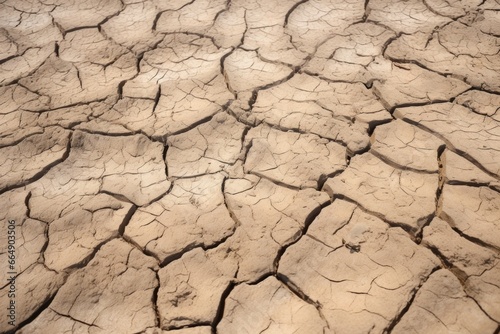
(251, 166)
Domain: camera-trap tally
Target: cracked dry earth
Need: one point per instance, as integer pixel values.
(251, 166)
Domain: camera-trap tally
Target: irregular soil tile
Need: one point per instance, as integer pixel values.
(442, 306)
(74, 236)
(399, 84)
(17, 123)
(487, 21)
(34, 283)
(89, 45)
(273, 44)
(481, 102)
(484, 289)
(132, 26)
(265, 31)
(460, 170)
(407, 146)
(191, 287)
(346, 56)
(195, 17)
(246, 71)
(464, 130)
(474, 211)
(66, 83)
(477, 267)
(467, 258)
(73, 14)
(34, 29)
(311, 21)
(208, 148)
(338, 111)
(179, 57)
(229, 28)
(359, 270)
(268, 307)
(454, 8)
(192, 214)
(462, 50)
(269, 218)
(405, 16)
(112, 294)
(123, 117)
(29, 233)
(171, 108)
(39, 284)
(491, 4)
(15, 68)
(17, 98)
(400, 196)
(31, 157)
(298, 160)
(8, 48)
(183, 104)
(124, 164)
(70, 196)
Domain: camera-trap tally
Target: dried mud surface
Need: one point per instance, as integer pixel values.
(230, 166)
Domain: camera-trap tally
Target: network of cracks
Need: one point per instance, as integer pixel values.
(251, 166)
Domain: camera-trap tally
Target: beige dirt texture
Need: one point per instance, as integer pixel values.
(250, 166)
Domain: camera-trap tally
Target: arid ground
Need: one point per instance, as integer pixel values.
(250, 166)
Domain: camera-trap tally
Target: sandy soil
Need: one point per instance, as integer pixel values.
(250, 166)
